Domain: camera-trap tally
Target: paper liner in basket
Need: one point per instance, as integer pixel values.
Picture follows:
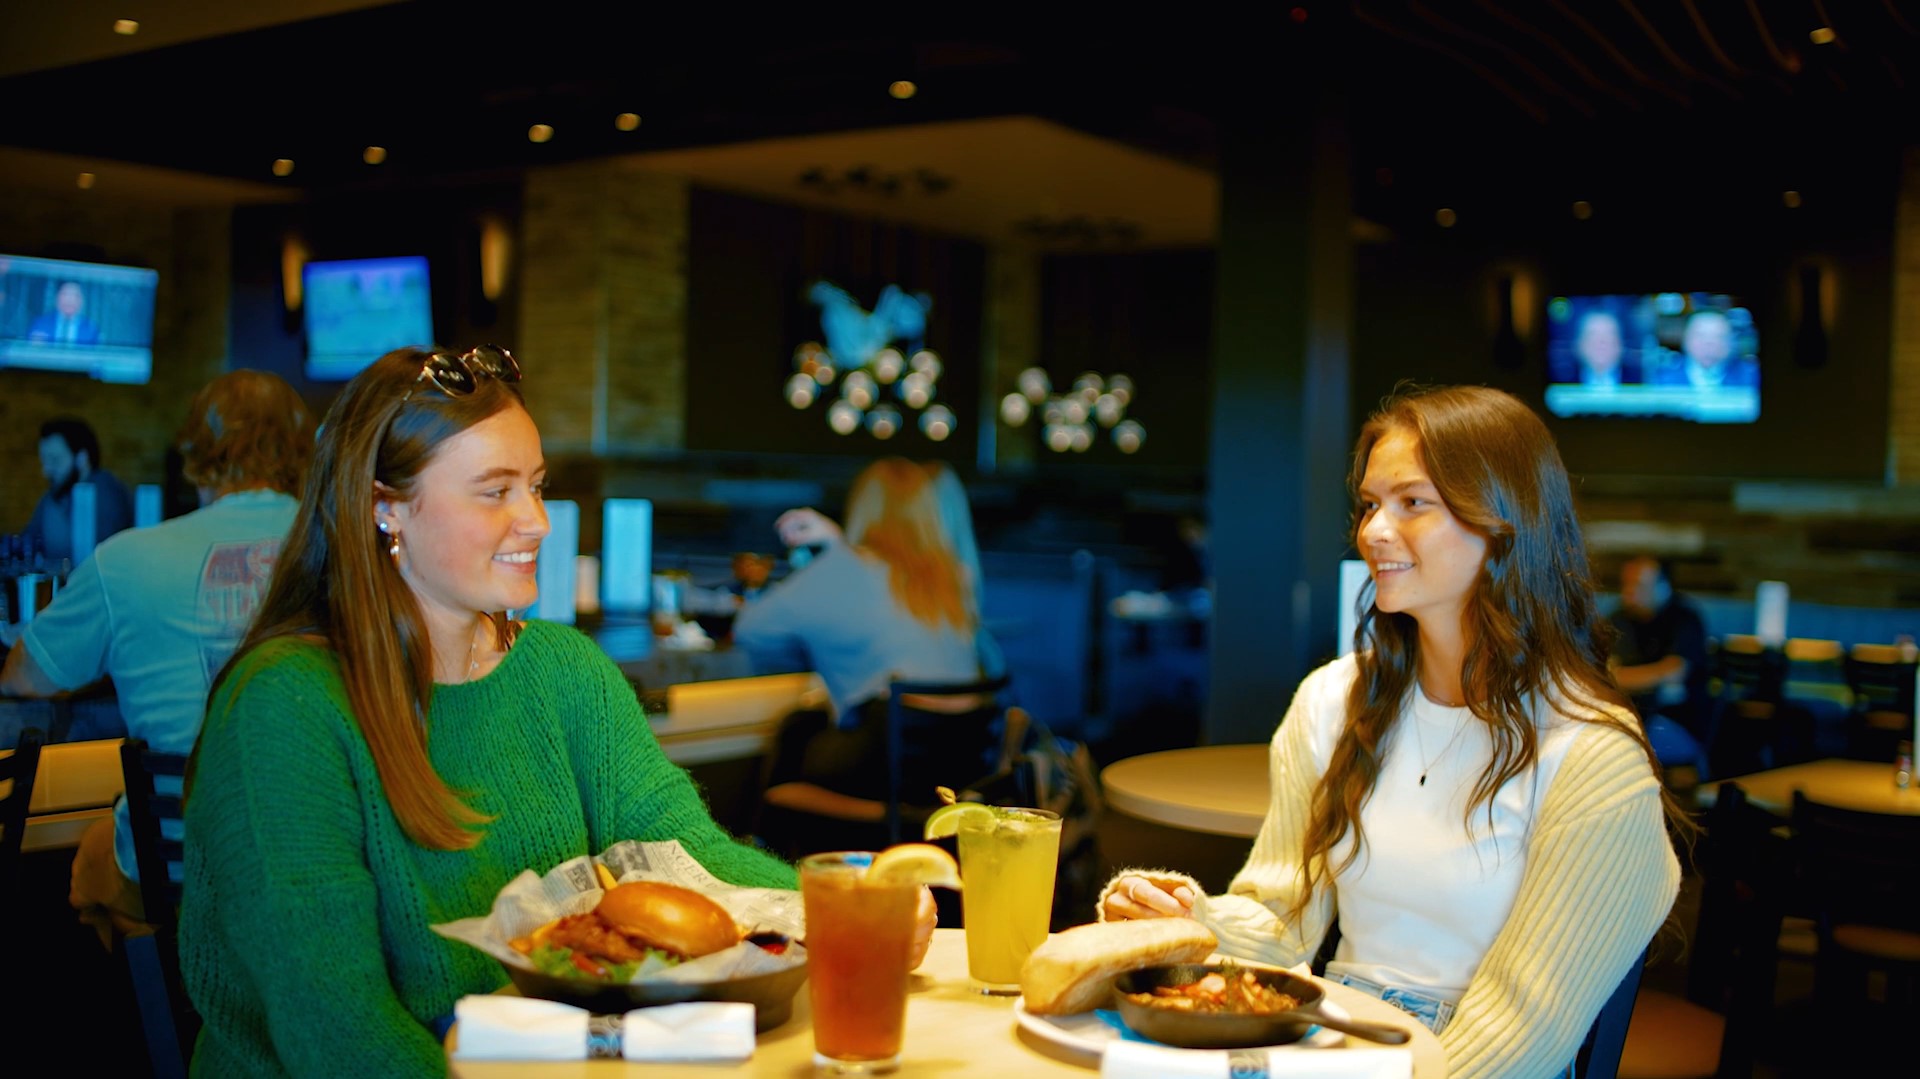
(530, 901)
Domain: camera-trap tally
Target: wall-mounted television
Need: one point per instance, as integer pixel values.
(1682, 355)
(359, 309)
(84, 317)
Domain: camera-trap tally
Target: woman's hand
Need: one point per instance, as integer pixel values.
(806, 527)
(927, 917)
(1137, 897)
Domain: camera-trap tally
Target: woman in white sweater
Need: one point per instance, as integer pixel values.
(1467, 792)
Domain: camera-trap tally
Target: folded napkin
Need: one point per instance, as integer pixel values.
(1138, 1060)
(523, 1028)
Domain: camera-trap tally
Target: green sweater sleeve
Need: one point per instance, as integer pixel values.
(632, 791)
(276, 840)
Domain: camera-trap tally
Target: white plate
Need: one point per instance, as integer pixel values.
(1089, 1032)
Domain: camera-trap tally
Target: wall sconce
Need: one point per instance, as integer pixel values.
(496, 254)
(1513, 318)
(1810, 337)
(293, 264)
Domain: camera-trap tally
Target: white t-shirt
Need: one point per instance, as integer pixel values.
(160, 610)
(1422, 904)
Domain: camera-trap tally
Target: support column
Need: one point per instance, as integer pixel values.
(1281, 427)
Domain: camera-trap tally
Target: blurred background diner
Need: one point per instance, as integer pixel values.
(1135, 291)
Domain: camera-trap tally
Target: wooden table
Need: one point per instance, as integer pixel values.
(1863, 785)
(951, 1030)
(1217, 789)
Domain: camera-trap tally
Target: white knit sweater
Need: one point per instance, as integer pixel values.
(1599, 878)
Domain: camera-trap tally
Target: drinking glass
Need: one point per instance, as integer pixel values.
(1007, 861)
(859, 936)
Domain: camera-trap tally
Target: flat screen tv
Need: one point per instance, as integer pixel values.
(83, 317)
(1691, 356)
(359, 309)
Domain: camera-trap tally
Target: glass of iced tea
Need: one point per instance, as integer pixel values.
(1007, 859)
(859, 936)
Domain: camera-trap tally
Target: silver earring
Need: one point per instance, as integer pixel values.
(382, 526)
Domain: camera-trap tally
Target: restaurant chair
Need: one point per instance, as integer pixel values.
(1599, 1055)
(1862, 871)
(17, 771)
(1712, 1030)
(1881, 678)
(1816, 699)
(167, 1016)
(926, 745)
(1750, 677)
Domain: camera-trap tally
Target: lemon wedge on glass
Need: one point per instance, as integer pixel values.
(915, 863)
(948, 819)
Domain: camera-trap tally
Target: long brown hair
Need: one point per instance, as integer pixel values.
(1533, 630)
(894, 514)
(334, 580)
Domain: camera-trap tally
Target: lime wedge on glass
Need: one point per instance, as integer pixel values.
(947, 820)
(915, 863)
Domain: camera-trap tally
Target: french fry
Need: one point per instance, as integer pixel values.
(606, 876)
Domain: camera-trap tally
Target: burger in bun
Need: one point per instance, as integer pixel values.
(632, 920)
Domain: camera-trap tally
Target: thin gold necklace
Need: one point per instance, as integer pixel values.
(473, 658)
(1425, 764)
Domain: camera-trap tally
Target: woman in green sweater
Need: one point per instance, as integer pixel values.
(387, 749)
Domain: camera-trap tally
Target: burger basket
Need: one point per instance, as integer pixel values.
(745, 972)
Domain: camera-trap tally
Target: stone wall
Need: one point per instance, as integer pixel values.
(603, 299)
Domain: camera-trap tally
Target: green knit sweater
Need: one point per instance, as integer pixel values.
(304, 934)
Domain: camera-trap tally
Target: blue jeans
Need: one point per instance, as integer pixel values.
(1432, 1012)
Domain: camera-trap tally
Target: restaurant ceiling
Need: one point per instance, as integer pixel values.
(1499, 102)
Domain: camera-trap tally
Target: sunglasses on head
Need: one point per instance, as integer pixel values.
(459, 375)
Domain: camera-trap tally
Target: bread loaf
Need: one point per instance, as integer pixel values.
(1071, 971)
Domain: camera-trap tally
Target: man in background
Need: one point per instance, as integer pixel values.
(67, 323)
(1600, 347)
(1660, 660)
(69, 455)
(1707, 359)
(161, 609)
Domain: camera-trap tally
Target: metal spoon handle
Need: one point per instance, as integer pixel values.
(1373, 1032)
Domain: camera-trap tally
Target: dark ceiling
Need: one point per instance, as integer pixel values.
(1449, 101)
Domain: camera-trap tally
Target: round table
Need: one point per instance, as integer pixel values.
(1863, 785)
(951, 1030)
(1221, 790)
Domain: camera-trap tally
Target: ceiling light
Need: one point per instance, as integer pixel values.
(84, 180)
(1582, 209)
(126, 27)
(1821, 35)
(1445, 217)
(540, 133)
(1790, 199)
(627, 121)
(283, 166)
(373, 155)
(902, 90)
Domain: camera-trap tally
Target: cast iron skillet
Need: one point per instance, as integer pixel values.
(1227, 1030)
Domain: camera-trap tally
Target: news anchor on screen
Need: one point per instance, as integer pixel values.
(1707, 359)
(66, 323)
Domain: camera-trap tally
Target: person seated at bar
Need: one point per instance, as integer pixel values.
(1660, 659)
(1467, 789)
(891, 597)
(387, 748)
(69, 455)
(160, 609)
